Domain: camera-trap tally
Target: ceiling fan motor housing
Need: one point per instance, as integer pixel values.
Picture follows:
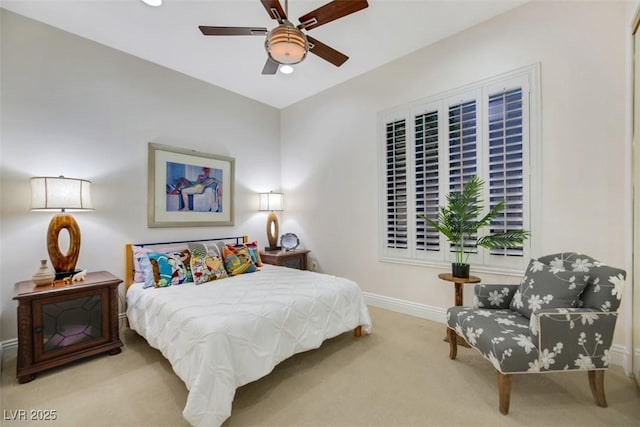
(286, 44)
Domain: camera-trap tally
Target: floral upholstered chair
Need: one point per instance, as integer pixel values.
(560, 317)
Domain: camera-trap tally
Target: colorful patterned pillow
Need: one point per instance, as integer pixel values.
(237, 260)
(545, 286)
(215, 249)
(183, 263)
(165, 269)
(255, 253)
(140, 252)
(204, 267)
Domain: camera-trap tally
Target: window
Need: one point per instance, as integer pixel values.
(397, 182)
(432, 147)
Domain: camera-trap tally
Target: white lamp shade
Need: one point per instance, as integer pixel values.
(58, 193)
(271, 202)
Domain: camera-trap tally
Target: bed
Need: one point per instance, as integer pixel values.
(226, 333)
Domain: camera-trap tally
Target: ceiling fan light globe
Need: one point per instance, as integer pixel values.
(152, 3)
(286, 44)
(286, 69)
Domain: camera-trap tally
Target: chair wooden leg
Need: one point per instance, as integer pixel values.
(504, 391)
(357, 332)
(596, 381)
(453, 343)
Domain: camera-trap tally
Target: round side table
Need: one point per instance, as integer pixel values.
(458, 282)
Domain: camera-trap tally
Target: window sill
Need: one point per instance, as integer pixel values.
(487, 269)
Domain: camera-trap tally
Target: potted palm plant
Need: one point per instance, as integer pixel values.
(459, 221)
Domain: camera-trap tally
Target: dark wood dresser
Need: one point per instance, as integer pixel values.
(295, 258)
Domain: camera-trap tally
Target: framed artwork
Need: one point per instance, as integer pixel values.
(188, 188)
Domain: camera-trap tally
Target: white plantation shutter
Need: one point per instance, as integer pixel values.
(506, 164)
(463, 150)
(462, 144)
(433, 146)
(396, 185)
(426, 179)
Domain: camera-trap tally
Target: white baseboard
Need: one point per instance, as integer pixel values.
(619, 353)
(620, 357)
(8, 344)
(415, 309)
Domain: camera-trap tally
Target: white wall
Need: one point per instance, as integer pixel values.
(329, 143)
(76, 108)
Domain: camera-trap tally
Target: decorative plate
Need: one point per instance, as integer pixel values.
(289, 241)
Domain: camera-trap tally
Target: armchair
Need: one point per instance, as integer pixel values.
(560, 317)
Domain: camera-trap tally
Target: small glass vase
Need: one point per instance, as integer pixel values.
(43, 275)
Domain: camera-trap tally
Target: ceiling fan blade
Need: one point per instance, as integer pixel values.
(274, 9)
(330, 12)
(270, 67)
(325, 52)
(233, 31)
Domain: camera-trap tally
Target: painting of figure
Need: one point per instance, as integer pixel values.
(192, 188)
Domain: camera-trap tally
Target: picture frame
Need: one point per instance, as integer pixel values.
(188, 188)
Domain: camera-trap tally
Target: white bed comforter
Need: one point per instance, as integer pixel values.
(221, 335)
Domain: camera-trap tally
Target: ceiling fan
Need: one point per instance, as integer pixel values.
(286, 43)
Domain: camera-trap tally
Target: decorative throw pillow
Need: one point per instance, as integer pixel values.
(204, 267)
(214, 249)
(237, 260)
(544, 286)
(255, 253)
(141, 252)
(183, 264)
(166, 268)
(146, 270)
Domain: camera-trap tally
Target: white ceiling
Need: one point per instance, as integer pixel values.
(169, 36)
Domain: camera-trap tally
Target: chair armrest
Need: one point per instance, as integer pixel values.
(493, 296)
(573, 338)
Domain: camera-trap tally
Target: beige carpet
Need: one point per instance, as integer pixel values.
(398, 376)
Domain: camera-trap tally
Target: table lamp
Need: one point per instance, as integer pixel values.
(61, 194)
(271, 202)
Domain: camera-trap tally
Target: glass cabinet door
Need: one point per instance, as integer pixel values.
(68, 323)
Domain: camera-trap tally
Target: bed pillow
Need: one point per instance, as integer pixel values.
(204, 267)
(138, 253)
(164, 267)
(255, 253)
(544, 286)
(146, 270)
(237, 260)
(183, 263)
(214, 249)
(141, 251)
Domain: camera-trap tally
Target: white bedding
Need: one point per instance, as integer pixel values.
(221, 335)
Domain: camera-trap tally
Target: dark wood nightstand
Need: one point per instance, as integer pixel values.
(61, 323)
(295, 258)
